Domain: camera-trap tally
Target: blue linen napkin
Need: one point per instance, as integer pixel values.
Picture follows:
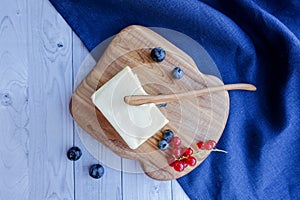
(250, 41)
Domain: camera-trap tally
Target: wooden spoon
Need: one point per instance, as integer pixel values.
(137, 100)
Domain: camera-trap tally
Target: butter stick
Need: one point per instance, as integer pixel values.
(135, 124)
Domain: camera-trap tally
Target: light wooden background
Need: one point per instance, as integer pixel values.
(39, 58)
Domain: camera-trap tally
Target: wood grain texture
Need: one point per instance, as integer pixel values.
(14, 133)
(146, 188)
(50, 86)
(193, 120)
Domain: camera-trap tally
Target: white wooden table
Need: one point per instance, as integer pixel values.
(39, 58)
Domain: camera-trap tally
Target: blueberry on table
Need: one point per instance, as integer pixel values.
(158, 54)
(163, 145)
(168, 135)
(96, 171)
(74, 153)
(178, 73)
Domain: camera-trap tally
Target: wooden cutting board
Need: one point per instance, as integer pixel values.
(201, 118)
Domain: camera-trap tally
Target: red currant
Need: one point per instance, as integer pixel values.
(191, 161)
(178, 166)
(175, 142)
(207, 146)
(200, 145)
(177, 152)
(184, 161)
(188, 152)
(212, 143)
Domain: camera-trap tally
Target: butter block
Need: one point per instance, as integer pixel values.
(135, 124)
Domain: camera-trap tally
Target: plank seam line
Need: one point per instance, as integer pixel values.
(72, 61)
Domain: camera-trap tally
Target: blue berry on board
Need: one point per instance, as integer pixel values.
(74, 153)
(96, 171)
(178, 73)
(162, 105)
(168, 135)
(158, 54)
(163, 145)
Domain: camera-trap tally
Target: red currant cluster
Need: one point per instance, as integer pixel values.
(183, 157)
(186, 159)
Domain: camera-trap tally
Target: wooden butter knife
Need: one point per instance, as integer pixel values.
(137, 100)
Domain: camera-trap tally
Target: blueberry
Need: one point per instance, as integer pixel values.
(161, 105)
(163, 145)
(178, 73)
(158, 54)
(96, 171)
(74, 153)
(168, 135)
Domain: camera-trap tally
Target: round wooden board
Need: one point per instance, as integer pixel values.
(200, 118)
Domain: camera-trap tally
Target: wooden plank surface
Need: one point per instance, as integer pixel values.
(49, 50)
(14, 133)
(39, 58)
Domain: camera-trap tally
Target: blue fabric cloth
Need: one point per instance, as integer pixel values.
(250, 41)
